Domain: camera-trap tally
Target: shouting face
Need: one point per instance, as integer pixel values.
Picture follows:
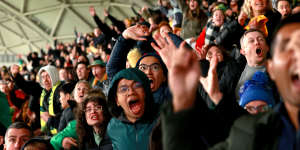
(131, 97)
(152, 68)
(254, 48)
(284, 68)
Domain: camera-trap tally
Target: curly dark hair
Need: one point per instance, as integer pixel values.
(84, 131)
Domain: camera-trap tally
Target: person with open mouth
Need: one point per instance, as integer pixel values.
(93, 117)
(255, 49)
(150, 62)
(134, 112)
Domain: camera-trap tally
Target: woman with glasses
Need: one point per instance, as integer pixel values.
(92, 119)
(134, 112)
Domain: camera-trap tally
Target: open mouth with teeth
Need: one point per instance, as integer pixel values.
(258, 52)
(151, 83)
(295, 77)
(135, 106)
(259, 4)
(296, 81)
(94, 117)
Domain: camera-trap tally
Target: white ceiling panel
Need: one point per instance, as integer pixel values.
(28, 25)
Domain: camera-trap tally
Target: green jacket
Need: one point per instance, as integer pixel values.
(5, 116)
(69, 131)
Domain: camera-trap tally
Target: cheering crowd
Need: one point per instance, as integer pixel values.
(183, 75)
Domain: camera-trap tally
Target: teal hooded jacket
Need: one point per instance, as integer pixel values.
(124, 134)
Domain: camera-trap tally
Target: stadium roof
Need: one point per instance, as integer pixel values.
(28, 25)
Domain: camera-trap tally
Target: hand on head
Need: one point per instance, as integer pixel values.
(211, 83)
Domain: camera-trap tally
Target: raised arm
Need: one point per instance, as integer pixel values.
(29, 87)
(102, 26)
(119, 24)
(124, 43)
(183, 78)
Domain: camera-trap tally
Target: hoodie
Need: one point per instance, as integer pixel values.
(49, 100)
(124, 134)
(53, 73)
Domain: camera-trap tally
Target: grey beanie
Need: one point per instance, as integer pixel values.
(53, 73)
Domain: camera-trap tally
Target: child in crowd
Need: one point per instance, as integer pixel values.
(65, 93)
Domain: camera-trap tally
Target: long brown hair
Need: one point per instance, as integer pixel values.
(195, 14)
(84, 131)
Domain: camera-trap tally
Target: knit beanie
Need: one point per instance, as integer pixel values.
(256, 89)
(53, 73)
(220, 6)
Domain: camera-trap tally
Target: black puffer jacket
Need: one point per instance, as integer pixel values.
(105, 144)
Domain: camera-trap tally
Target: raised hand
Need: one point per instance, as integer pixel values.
(92, 11)
(137, 32)
(144, 8)
(228, 12)
(211, 83)
(242, 18)
(165, 48)
(68, 143)
(203, 52)
(183, 77)
(105, 12)
(45, 116)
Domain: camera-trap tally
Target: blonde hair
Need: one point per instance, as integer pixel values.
(246, 8)
(86, 83)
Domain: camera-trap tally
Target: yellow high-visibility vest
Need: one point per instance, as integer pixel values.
(50, 107)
